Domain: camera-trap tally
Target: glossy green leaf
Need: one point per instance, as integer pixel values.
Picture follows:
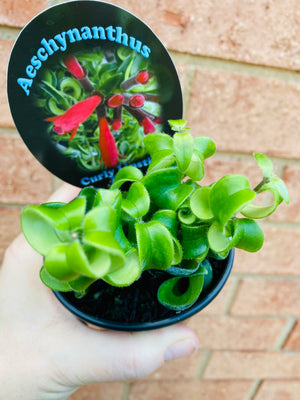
(42, 226)
(160, 160)
(200, 204)
(178, 125)
(229, 196)
(74, 212)
(220, 240)
(185, 268)
(111, 198)
(81, 284)
(127, 174)
(186, 216)
(56, 263)
(195, 170)
(208, 277)
(165, 189)
(157, 142)
(101, 218)
(178, 252)
(97, 265)
(168, 218)
(52, 283)
(106, 242)
(205, 146)
(175, 197)
(180, 293)
(248, 235)
(92, 197)
(194, 241)
(137, 201)
(242, 233)
(183, 148)
(155, 245)
(265, 164)
(128, 274)
(279, 191)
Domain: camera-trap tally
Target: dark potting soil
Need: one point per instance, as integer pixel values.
(136, 303)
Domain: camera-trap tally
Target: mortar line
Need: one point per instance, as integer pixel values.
(188, 80)
(232, 295)
(227, 155)
(203, 363)
(126, 391)
(285, 333)
(240, 275)
(9, 33)
(236, 67)
(254, 389)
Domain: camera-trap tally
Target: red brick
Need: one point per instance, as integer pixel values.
(279, 255)
(255, 365)
(99, 391)
(278, 390)
(293, 341)
(10, 227)
(231, 109)
(24, 180)
(291, 212)
(263, 32)
(236, 333)
(5, 115)
(263, 297)
(18, 12)
(191, 389)
(182, 368)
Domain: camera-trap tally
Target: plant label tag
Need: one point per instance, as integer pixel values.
(87, 81)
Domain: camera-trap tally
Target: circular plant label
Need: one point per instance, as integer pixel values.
(86, 82)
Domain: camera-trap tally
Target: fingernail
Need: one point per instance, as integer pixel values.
(180, 349)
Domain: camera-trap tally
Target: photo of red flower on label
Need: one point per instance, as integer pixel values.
(100, 105)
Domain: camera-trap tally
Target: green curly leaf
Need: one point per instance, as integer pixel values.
(194, 241)
(44, 227)
(183, 148)
(127, 174)
(229, 196)
(137, 202)
(155, 245)
(180, 293)
(53, 283)
(205, 146)
(56, 264)
(200, 204)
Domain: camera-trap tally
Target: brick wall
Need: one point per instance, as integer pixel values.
(238, 61)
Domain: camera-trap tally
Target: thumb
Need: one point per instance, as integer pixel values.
(103, 356)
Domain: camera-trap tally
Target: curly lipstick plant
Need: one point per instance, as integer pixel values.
(163, 221)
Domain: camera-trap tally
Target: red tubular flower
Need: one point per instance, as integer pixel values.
(116, 125)
(115, 101)
(75, 115)
(137, 101)
(107, 145)
(143, 77)
(74, 67)
(148, 126)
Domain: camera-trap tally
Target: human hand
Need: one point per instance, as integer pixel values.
(47, 353)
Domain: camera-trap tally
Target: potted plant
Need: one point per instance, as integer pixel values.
(152, 249)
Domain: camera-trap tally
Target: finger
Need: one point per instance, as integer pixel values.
(113, 356)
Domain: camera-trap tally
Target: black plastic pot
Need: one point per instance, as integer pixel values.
(77, 306)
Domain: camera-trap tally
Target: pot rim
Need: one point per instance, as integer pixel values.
(144, 326)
